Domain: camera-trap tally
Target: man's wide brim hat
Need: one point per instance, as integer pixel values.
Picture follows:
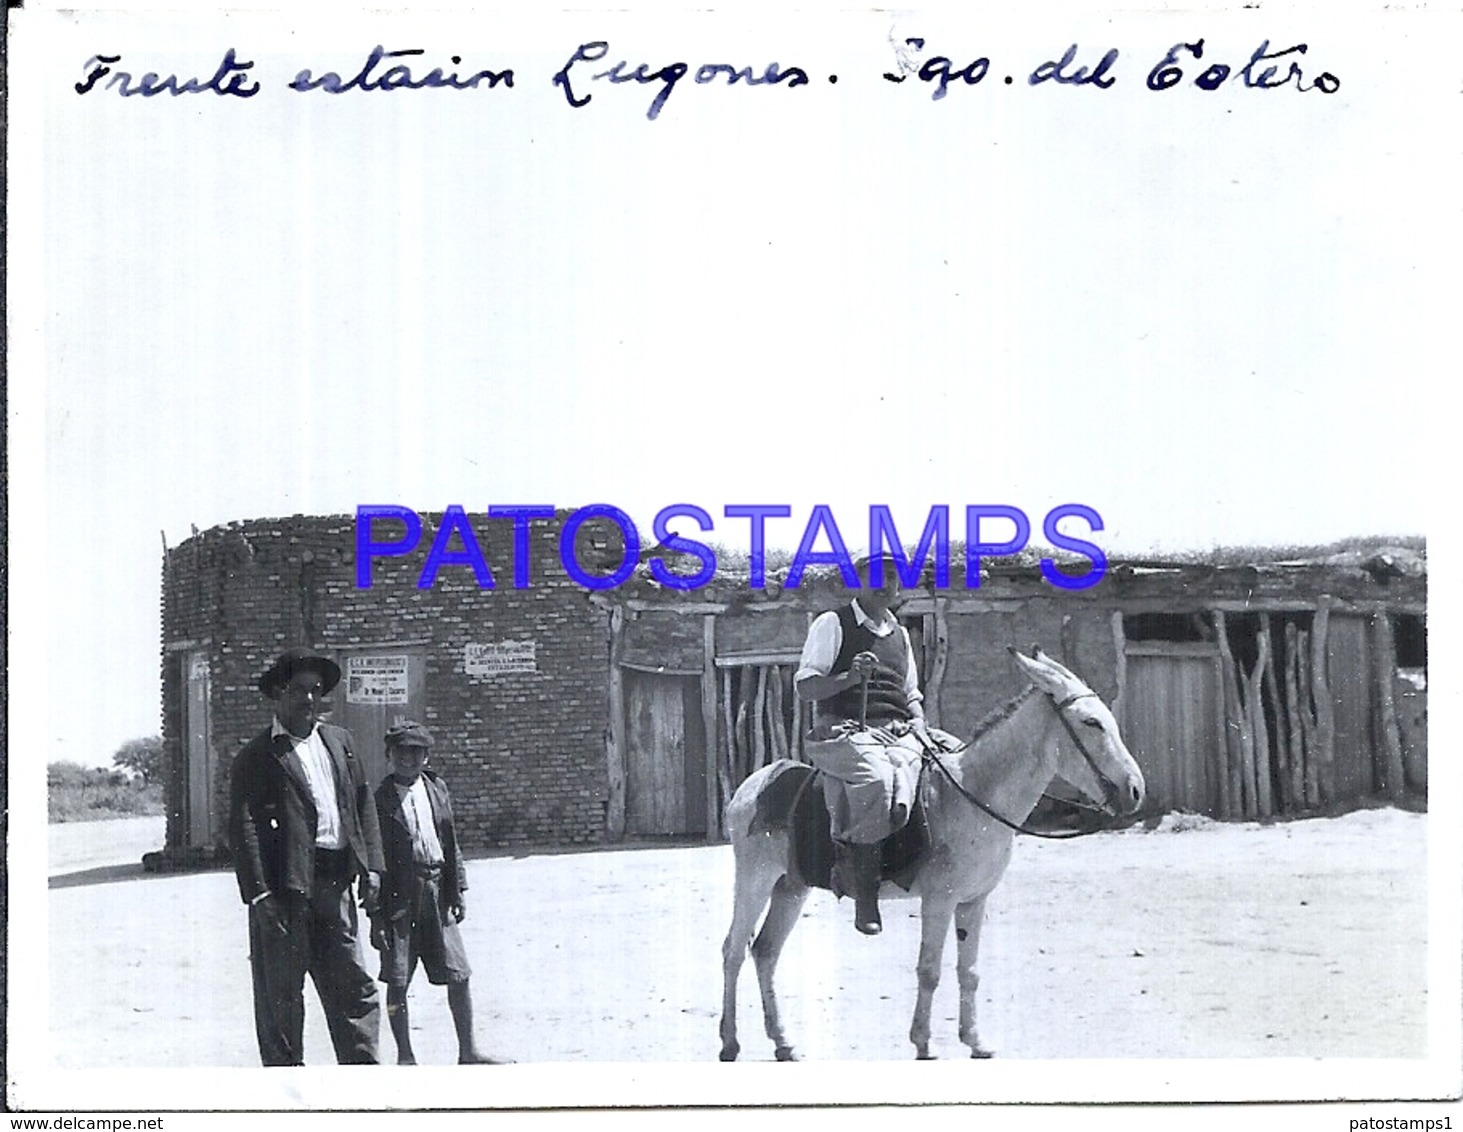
(299, 660)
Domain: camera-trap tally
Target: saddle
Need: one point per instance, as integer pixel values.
(792, 801)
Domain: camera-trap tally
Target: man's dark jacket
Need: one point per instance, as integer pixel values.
(396, 883)
(272, 814)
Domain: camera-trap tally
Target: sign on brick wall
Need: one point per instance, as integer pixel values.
(375, 679)
(501, 658)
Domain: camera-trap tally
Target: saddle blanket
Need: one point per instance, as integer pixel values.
(872, 776)
(793, 801)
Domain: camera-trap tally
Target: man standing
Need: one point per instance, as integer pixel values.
(858, 668)
(303, 828)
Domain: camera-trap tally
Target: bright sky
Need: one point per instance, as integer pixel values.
(1212, 316)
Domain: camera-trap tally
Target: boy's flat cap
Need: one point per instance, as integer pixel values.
(408, 733)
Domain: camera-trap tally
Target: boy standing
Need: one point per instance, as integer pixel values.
(422, 894)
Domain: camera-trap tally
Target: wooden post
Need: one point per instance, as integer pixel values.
(1293, 710)
(708, 725)
(927, 661)
(797, 719)
(616, 747)
(1250, 804)
(1308, 721)
(776, 723)
(1281, 745)
(726, 768)
(1384, 667)
(759, 721)
(1259, 729)
(1232, 796)
(1120, 647)
(1325, 705)
(746, 724)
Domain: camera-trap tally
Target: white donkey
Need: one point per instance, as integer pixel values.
(1058, 726)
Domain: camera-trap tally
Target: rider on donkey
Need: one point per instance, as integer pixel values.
(858, 668)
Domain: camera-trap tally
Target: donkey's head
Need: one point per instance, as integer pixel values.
(1086, 748)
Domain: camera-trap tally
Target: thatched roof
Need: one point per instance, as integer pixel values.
(1353, 565)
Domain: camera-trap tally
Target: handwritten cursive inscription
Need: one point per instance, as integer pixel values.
(938, 69)
(149, 85)
(1060, 72)
(1253, 74)
(398, 77)
(1265, 70)
(668, 76)
(404, 69)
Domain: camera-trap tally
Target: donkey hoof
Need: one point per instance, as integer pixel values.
(729, 1053)
(924, 1054)
(981, 1054)
(786, 1053)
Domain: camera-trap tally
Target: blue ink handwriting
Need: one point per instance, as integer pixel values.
(668, 76)
(406, 69)
(1057, 72)
(99, 66)
(397, 77)
(939, 69)
(1168, 73)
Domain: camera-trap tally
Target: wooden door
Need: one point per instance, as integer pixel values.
(197, 754)
(665, 781)
(379, 685)
(1349, 675)
(1173, 724)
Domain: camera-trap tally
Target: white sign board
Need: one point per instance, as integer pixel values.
(501, 658)
(376, 680)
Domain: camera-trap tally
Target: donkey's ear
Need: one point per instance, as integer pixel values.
(1041, 672)
(1033, 668)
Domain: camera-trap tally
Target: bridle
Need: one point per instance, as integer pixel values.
(1109, 788)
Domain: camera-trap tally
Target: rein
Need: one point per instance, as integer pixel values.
(931, 756)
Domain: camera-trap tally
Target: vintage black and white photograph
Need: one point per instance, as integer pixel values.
(639, 557)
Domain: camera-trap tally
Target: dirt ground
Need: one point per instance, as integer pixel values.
(1299, 940)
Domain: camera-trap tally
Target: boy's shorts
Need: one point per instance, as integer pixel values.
(427, 933)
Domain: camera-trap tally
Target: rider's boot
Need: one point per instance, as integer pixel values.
(867, 860)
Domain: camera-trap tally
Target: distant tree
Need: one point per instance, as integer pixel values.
(143, 757)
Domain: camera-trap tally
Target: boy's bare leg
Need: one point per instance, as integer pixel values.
(400, 1024)
(459, 1001)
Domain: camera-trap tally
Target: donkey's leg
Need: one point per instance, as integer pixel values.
(755, 878)
(934, 915)
(787, 901)
(968, 920)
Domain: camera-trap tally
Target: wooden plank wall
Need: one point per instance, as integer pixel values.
(1311, 720)
(1299, 697)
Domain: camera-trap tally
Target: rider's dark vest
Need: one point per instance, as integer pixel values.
(887, 700)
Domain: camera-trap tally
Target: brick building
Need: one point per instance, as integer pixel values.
(512, 682)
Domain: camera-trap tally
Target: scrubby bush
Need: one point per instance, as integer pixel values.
(84, 793)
